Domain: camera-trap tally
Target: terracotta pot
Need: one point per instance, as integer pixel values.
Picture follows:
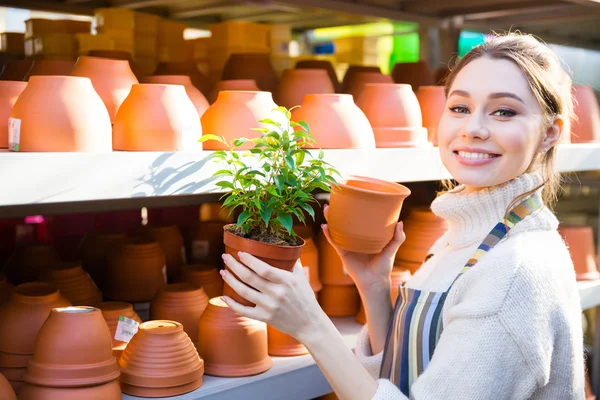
(234, 114)
(256, 66)
(107, 391)
(245, 85)
(193, 93)
(283, 345)
(282, 257)
(181, 302)
(28, 261)
(400, 275)
(50, 67)
(310, 261)
(361, 317)
(586, 128)
(94, 252)
(11, 360)
(296, 83)
(62, 114)
(324, 65)
(339, 301)
(354, 69)
(160, 361)
(74, 283)
(358, 80)
(6, 391)
(9, 93)
(206, 245)
(119, 55)
(170, 239)
(208, 279)
(416, 74)
(5, 290)
(136, 271)
(15, 374)
(335, 122)
(73, 349)
(232, 345)
(189, 68)
(157, 118)
(401, 137)
(432, 100)
(111, 311)
(112, 79)
(580, 240)
(16, 385)
(364, 212)
(331, 269)
(16, 70)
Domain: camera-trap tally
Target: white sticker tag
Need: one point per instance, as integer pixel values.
(126, 329)
(183, 255)
(14, 134)
(200, 249)
(307, 272)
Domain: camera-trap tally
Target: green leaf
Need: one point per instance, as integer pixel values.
(230, 201)
(263, 130)
(223, 172)
(265, 214)
(240, 141)
(270, 122)
(266, 167)
(210, 136)
(308, 209)
(236, 156)
(321, 154)
(225, 185)
(290, 162)
(243, 217)
(286, 221)
(279, 181)
(304, 125)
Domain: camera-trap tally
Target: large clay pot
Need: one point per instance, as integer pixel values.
(580, 241)
(206, 245)
(157, 118)
(50, 67)
(339, 301)
(6, 391)
(9, 93)
(205, 277)
(189, 68)
(335, 122)
(232, 345)
(353, 228)
(193, 93)
(28, 261)
(234, 114)
(310, 262)
(233, 84)
(331, 268)
(160, 361)
(111, 311)
(106, 391)
(74, 283)
(357, 82)
(119, 55)
(354, 69)
(296, 83)
(416, 74)
(283, 345)
(94, 252)
(256, 66)
(61, 114)
(16, 70)
(586, 128)
(324, 65)
(112, 79)
(432, 100)
(170, 239)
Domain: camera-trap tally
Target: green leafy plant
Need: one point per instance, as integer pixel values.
(274, 180)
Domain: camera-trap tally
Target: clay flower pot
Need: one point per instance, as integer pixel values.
(193, 93)
(28, 261)
(189, 68)
(331, 269)
(339, 301)
(50, 67)
(586, 128)
(136, 271)
(324, 65)
(6, 391)
(364, 212)
(245, 85)
(61, 114)
(256, 66)
(74, 283)
(206, 244)
(354, 69)
(73, 349)
(119, 55)
(157, 118)
(111, 311)
(282, 257)
(112, 79)
(335, 122)
(296, 83)
(16, 70)
(357, 82)
(400, 275)
(181, 302)
(416, 74)
(232, 345)
(432, 100)
(9, 93)
(208, 279)
(310, 261)
(280, 344)
(107, 391)
(94, 252)
(234, 114)
(170, 239)
(160, 361)
(580, 240)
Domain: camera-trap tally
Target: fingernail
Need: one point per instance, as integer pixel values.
(241, 254)
(222, 272)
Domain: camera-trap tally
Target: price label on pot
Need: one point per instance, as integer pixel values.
(126, 328)
(14, 134)
(200, 250)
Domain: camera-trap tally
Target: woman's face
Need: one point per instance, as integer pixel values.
(492, 126)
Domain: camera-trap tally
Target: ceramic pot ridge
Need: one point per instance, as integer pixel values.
(9, 93)
(6, 391)
(296, 83)
(74, 283)
(232, 84)
(107, 391)
(193, 93)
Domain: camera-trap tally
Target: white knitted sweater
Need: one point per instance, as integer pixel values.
(512, 324)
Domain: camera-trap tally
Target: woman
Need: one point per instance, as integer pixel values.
(493, 313)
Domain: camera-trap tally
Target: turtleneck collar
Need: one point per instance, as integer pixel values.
(471, 216)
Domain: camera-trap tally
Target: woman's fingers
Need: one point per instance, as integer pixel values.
(392, 247)
(242, 289)
(245, 273)
(245, 311)
(326, 212)
(264, 270)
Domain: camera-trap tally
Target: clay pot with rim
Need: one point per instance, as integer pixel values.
(94, 252)
(160, 361)
(282, 257)
(170, 239)
(256, 66)
(61, 114)
(339, 301)
(232, 345)
(9, 93)
(331, 268)
(354, 69)
(50, 67)
(335, 122)
(28, 261)
(324, 65)
(6, 391)
(245, 85)
(283, 345)
(580, 241)
(74, 283)
(193, 93)
(234, 114)
(16, 70)
(363, 213)
(111, 311)
(586, 128)
(296, 83)
(310, 262)
(157, 117)
(206, 244)
(189, 68)
(112, 79)
(432, 100)
(204, 276)
(416, 74)
(357, 82)
(106, 391)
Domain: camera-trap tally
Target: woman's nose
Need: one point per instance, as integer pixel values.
(476, 127)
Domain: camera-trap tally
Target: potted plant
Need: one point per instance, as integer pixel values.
(271, 183)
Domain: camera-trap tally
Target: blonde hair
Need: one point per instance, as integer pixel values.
(550, 84)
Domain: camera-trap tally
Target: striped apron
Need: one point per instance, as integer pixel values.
(416, 325)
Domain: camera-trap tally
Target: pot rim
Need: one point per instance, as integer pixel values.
(401, 190)
(262, 243)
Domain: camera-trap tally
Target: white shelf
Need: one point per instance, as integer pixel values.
(78, 182)
(589, 292)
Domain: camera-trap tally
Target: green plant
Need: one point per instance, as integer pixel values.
(277, 183)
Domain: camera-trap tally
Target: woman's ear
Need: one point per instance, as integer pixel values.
(552, 134)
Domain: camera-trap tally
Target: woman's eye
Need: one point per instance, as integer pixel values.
(459, 110)
(504, 113)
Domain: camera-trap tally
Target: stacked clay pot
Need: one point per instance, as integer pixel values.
(324, 65)
(94, 252)
(432, 100)
(157, 117)
(335, 122)
(188, 68)
(586, 128)
(206, 244)
(25, 312)
(358, 80)
(181, 302)
(394, 113)
(28, 261)
(170, 239)
(50, 67)
(6, 391)
(232, 345)
(232, 84)
(416, 74)
(16, 70)
(310, 262)
(61, 114)
(234, 114)
(339, 301)
(9, 93)
(160, 361)
(74, 283)
(255, 66)
(204, 276)
(283, 345)
(580, 241)
(72, 357)
(193, 93)
(111, 311)
(354, 69)
(296, 83)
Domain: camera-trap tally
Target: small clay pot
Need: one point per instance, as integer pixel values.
(107, 391)
(432, 100)
(296, 83)
(281, 344)
(389, 105)
(357, 82)
(74, 283)
(331, 268)
(355, 230)
(193, 93)
(94, 252)
(586, 128)
(111, 311)
(232, 345)
(9, 93)
(354, 69)
(416, 74)
(28, 261)
(339, 301)
(310, 262)
(188, 68)
(233, 84)
(206, 245)
(16, 70)
(160, 361)
(206, 277)
(256, 66)
(6, 391)
(50, 67)
(580, 241)
(324, 65)
(170, 239)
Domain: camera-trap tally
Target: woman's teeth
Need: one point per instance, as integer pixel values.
(475, 156)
